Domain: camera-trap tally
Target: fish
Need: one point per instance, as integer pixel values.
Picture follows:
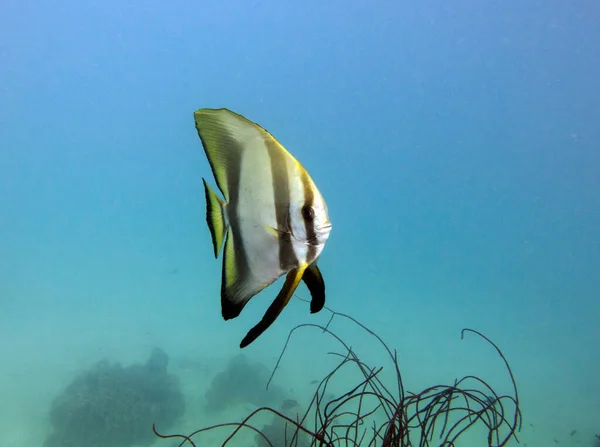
(272, 219)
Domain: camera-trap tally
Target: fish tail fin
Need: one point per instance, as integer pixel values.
(216, 218)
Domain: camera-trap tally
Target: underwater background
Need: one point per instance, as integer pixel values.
(457, 145)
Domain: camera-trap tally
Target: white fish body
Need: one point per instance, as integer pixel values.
(274, 220)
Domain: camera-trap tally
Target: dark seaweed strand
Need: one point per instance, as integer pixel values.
(388, 403)
(441, 405)
(474, 394)
(332, 414)
(472, 421)
(358, 420)
(377, 384)
(383, 401)
(497, 415)
(478, 396)
(428, 405)
(438, 404)
(354, 358)
(355, 426)
(237, 425)
(447, 413)
(350, 394)
(185, 438)
(518, 418)
(430, 419)
(473, 417)
(242, 424)
(489, 413)
(295, 438)
(482, 399)
(360, 406)
(339, 403)
(366, 329)
(444, 434)
(322, 419)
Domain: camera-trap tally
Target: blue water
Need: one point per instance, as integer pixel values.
(456, 143)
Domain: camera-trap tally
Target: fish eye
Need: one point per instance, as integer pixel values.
(308, 212)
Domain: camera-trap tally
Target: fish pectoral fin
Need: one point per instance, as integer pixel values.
(275, 232)
(316, 286)
(215, 218)
(285, 294)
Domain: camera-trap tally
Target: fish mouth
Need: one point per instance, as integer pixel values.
(321, 233)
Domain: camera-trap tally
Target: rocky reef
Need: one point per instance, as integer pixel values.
(115, 406)
(280, 432)
(241, 382)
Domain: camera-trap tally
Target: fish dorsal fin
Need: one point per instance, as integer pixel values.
(225, 136)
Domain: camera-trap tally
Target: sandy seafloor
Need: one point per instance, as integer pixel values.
(39, 360)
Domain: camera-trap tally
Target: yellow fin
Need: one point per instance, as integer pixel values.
(274, 231)
(215, 218)
(229, 263)
(225, 135)
(285, 294)
(239, 284)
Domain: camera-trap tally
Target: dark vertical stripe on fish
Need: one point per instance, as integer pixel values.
(234, 167)
(309, 224)
(281, 198)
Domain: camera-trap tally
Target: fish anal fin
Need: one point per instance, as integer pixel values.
(239, 284)
(233, 297)
(283, 297)
(316, 286)
(231, 308)
(215, 218)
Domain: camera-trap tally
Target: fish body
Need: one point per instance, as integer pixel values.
(272, 220)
